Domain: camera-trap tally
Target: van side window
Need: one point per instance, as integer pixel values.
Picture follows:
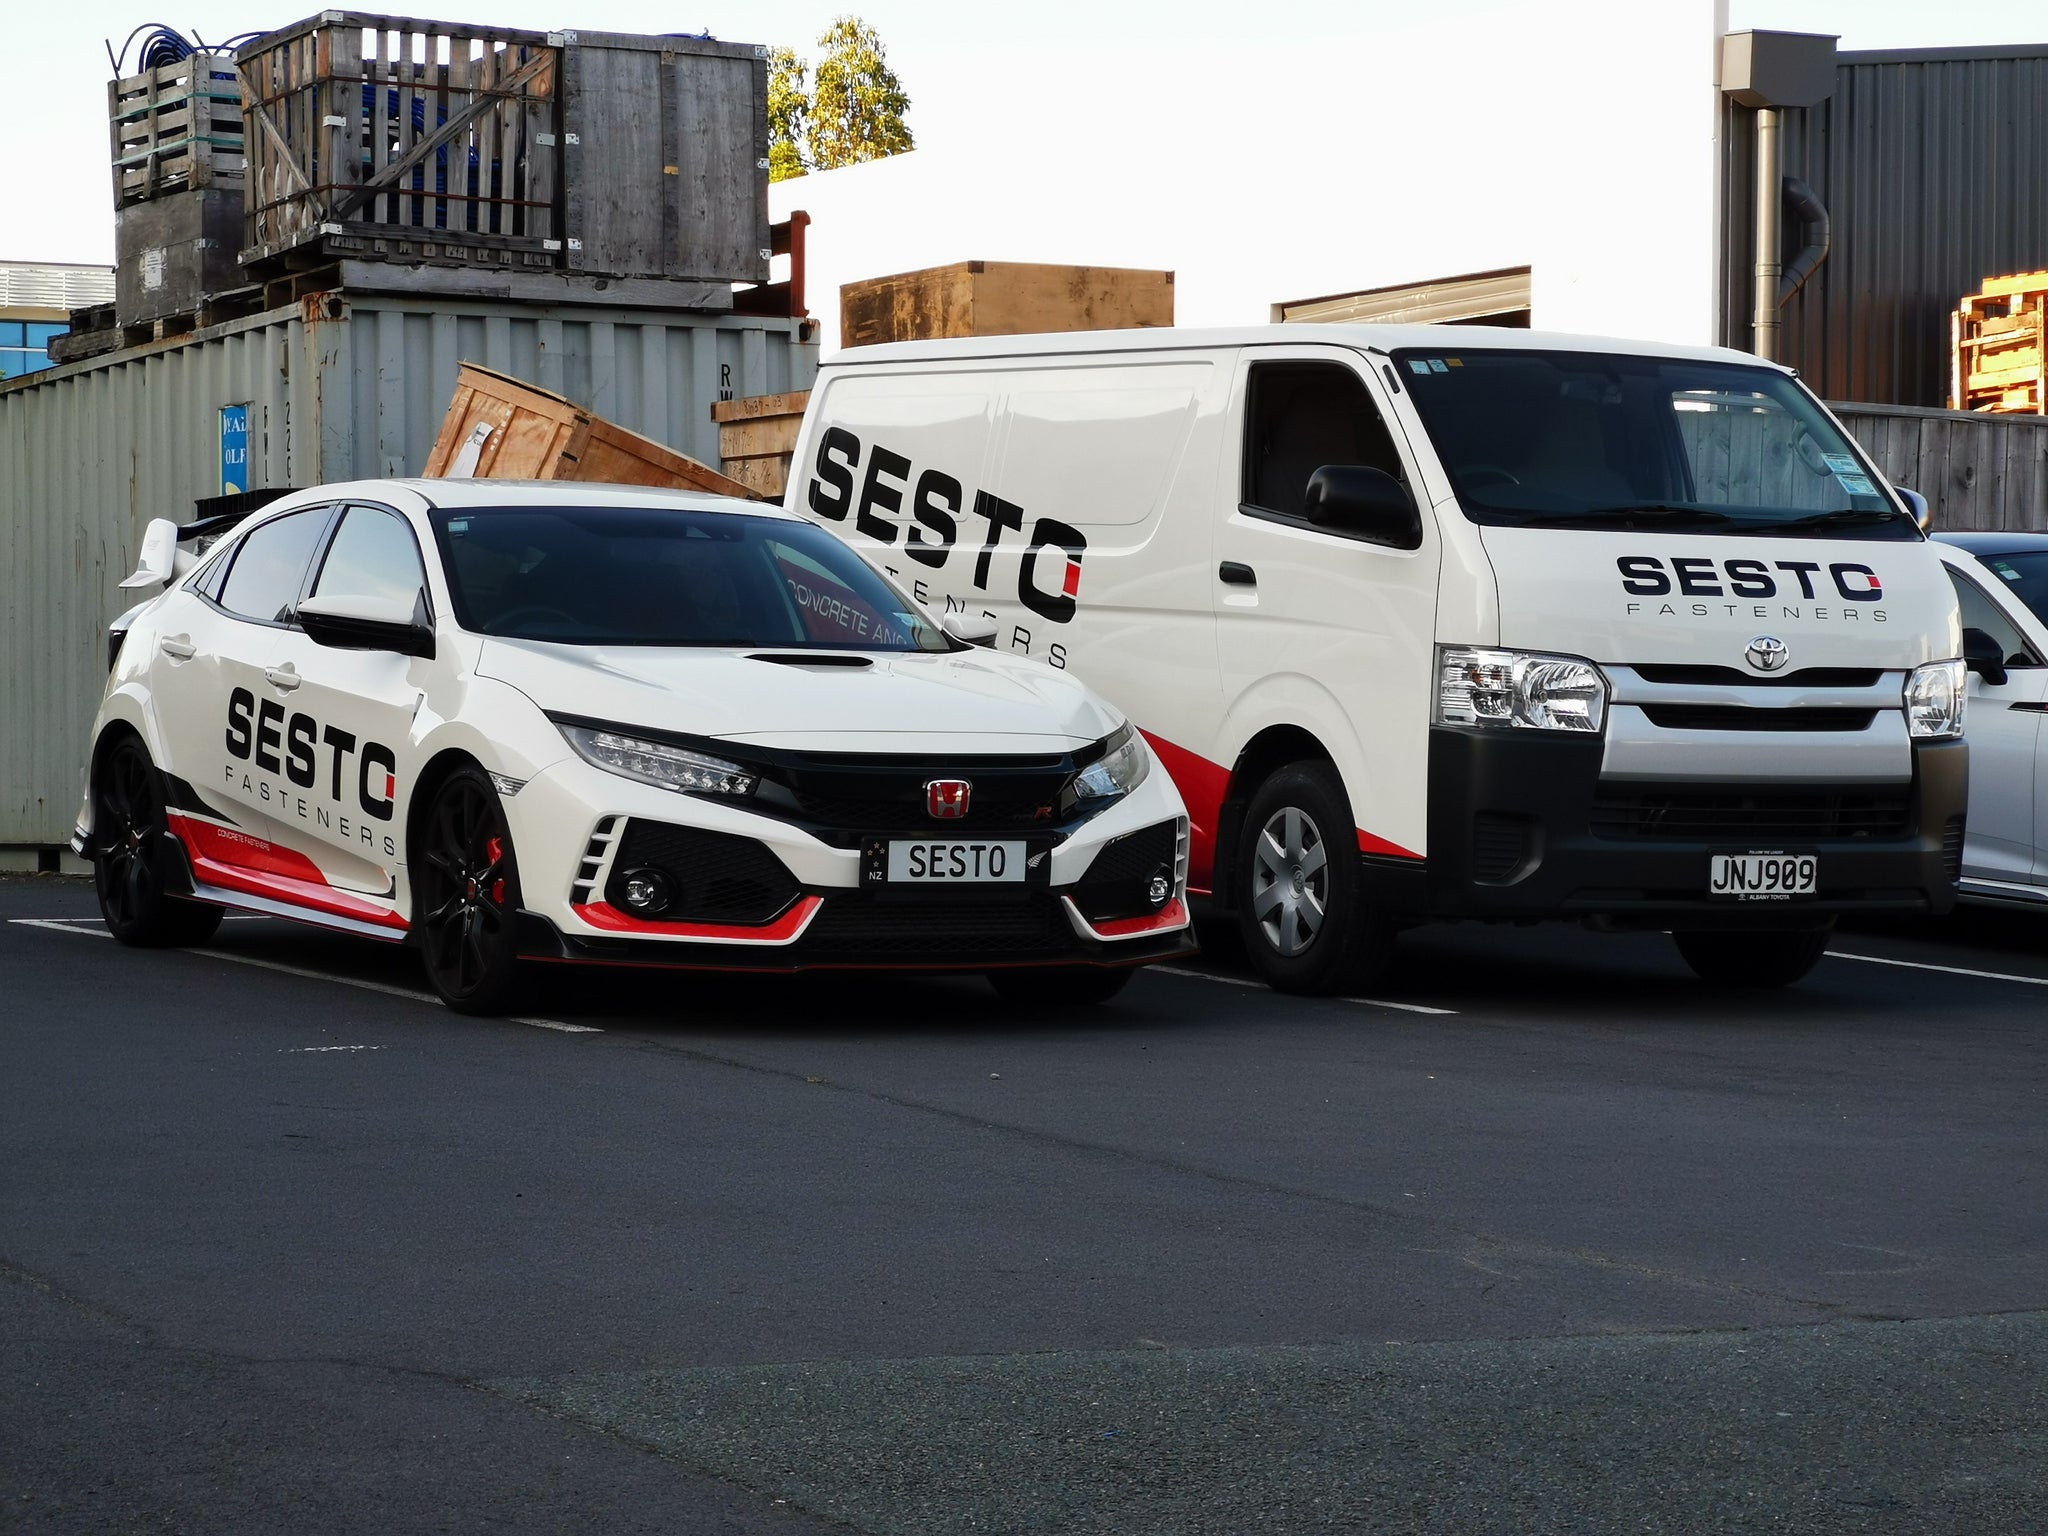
(1302, 416)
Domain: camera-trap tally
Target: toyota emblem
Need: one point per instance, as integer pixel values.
(1766, 653)
(946, 799)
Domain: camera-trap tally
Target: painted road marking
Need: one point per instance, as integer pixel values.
(72, 925)
(1241, 981)
(1953, 970)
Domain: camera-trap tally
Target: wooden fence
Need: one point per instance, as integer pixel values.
(1977, 471)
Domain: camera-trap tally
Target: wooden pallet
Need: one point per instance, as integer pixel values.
(1999, 346)
(757, 438)
(176, 128)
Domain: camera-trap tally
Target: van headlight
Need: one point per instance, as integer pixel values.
(656, 762)
(1121, 768)
(1934, 700)
(1518, 688)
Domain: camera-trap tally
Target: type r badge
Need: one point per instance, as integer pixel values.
(1767, 653)
(946, 799)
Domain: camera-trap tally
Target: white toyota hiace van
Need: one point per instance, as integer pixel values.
(1445, 622)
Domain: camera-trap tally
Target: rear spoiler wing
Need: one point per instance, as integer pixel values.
(162, 560)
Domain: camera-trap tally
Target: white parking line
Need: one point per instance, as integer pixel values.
(72, 925)
(1370, 1002)
(1953, 970)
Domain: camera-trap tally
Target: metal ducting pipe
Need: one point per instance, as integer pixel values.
(1814, 235)
(1769, 198)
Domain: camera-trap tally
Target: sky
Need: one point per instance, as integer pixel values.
(973, 72)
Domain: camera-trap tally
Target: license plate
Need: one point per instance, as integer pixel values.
(1763, 876)
(955, 861)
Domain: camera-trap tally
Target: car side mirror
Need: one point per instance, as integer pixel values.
(355, 623)
(1984, 656)
(1917, 505)
(1365, 503)
(970, 628)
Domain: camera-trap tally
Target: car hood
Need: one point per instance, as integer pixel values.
(967, 700)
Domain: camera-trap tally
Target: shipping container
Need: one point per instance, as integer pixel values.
(341, 387)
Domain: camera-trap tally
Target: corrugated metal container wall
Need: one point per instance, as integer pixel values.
(1931, 164)
(341, 389)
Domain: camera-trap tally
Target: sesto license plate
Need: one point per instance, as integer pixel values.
(1763, 876)
(956, 861)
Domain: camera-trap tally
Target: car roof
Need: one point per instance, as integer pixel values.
(2011, 543)
(534, 493)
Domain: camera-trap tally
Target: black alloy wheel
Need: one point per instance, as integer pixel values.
(1732, 958)
(1060, 986)
(466, 894)
(1298, 887)
(131, 851)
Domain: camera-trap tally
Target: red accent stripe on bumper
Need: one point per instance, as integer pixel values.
(602, 914)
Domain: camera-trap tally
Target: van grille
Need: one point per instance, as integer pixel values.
(1807, 677)
(1740, 717)
(1702, 815)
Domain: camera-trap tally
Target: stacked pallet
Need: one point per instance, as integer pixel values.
(1999, 352)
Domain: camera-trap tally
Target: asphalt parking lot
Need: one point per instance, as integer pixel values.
(1542, 1237)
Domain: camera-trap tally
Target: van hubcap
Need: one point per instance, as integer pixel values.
(1290, 880)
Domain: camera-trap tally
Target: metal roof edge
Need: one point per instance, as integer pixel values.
(1943, 55)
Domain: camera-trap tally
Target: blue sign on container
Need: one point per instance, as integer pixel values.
(234, 449)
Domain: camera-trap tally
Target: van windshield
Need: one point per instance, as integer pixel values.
(1600, 440)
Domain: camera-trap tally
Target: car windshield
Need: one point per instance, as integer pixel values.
(2025, 577)
(609, 575)
(1597, 440)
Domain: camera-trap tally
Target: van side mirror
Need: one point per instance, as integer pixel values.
(1984, 656)
(1917, 505)
(1365, 503)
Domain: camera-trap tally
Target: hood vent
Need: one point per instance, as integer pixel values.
(811, 659)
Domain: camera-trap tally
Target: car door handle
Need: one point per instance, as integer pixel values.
(284, 679)
(177, 650)
(1237, 574)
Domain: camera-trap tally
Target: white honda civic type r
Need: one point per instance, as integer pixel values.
(510, 721)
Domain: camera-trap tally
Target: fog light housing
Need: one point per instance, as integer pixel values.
(1159, 890)
(646, 892)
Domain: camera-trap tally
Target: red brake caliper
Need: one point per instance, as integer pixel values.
(495, 849)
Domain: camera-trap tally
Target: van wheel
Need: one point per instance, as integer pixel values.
(1299, 889)
(465, 892)
(1734, 959)
(1061, 986)
(131, 852)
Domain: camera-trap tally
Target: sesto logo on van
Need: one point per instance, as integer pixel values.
(1794, 584)
(922, 510)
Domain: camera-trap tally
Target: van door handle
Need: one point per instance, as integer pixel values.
(1238, 574)
(177, 650)
(284, 679)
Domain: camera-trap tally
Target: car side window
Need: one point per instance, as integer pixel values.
(1979, 612)
(270, 566)
(373, 555)
(1301, 416)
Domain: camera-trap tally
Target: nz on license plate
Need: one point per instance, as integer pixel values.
(1763, 876)
(956, 861)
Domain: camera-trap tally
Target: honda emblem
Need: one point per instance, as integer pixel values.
(946, 799)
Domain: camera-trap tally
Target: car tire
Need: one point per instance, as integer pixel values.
(1299, 889)
(465, 895)
(1755, 960)
(1061, 986)
(133, 855)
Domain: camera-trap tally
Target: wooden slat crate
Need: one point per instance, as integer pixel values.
(757, 437)
(502, 428)
(176, 128)
(2000, 341)
(1001, 298)
(403, 138)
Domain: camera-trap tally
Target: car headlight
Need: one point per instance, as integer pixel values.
(656, 762)
(1934, 700)
(1518, 688)
(1121, 768)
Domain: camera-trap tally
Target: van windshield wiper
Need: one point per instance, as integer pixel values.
(1845, 517)
(1667, 513)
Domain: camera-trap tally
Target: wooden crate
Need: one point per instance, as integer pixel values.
(502, 428)
(401, 138)
(2000, 347)
(176, 251)
(757, 438)
(1001, 298)
(176, 128)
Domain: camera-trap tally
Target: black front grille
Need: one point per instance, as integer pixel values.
(1806, 677)
(855, 928)
(879, 794)
(905, 810)
(1740, 717)
(1711, 815)
(717, 878)
(1118, 882)
(1499, 845)
(1952, 847)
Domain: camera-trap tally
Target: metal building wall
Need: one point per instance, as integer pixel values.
(1931, 164)
(341, 388)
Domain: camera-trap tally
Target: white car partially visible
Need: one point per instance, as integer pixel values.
(512, 722)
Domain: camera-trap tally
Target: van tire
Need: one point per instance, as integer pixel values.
(1728, 958)
(1299, 889)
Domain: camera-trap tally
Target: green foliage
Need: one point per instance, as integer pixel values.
(857, 104)
(789, 113)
